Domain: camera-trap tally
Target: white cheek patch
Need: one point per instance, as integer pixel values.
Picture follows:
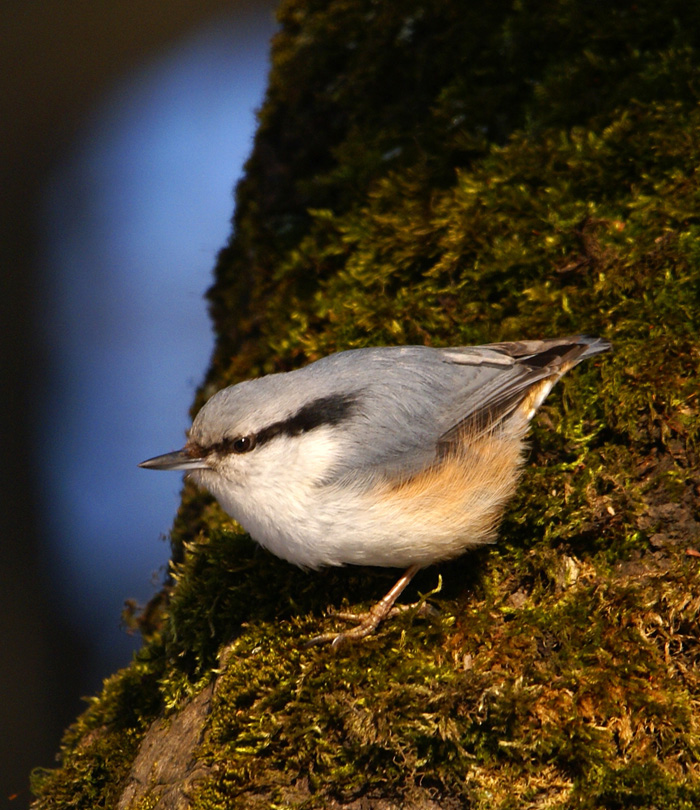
(274, 492)
(307, 458)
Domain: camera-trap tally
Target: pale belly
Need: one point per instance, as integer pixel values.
(432, 516)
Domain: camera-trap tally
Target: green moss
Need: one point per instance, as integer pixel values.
(98, 750)
(426, 173)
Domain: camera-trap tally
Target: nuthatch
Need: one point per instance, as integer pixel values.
(394, 456)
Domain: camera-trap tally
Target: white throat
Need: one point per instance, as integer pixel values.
(278, 495)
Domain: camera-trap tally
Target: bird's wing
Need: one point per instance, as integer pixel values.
(535, 366)
(416, 402)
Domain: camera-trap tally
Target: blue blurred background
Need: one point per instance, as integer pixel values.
(131, 224)
(111, 238)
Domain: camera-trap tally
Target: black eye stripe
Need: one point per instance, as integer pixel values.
(329, 410)
(237, 445)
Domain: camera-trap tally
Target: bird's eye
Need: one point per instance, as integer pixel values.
(243, 444)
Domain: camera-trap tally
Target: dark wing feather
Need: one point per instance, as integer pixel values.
(534, 362)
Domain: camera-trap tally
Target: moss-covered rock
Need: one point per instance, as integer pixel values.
(448, 173)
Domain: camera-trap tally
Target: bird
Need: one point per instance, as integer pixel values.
(390, 456)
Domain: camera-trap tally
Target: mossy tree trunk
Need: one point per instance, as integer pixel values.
(452, 173)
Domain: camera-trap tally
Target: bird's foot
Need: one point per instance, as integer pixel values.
(366, 623)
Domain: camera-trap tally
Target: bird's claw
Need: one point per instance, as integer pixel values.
(366, 623)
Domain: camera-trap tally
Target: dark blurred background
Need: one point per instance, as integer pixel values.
(123, 130)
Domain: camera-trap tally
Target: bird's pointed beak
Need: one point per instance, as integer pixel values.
(179, 460)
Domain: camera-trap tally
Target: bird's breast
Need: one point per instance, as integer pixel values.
(436, 514)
